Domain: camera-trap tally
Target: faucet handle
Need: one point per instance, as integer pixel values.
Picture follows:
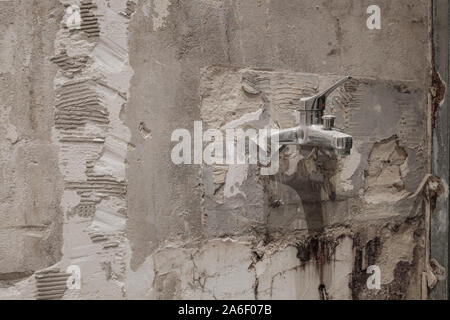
(312, 108)
(328, 122)
(318, 102)
(330, 90)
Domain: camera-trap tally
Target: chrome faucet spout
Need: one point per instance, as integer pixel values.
(292, 136)
(320, 136)
(316, 136)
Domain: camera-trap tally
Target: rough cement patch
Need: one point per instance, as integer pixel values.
(387, 168)
(349, 169)
(401, 277)
(297, 273)
(30, 182)
(323, 182)
(160, 13)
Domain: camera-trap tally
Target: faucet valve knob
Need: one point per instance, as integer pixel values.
(328, 122)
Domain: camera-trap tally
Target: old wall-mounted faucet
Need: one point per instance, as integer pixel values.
(316, 129)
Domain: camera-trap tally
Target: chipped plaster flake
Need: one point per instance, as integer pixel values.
(112, 161)
(246, 118)
(146, 8)
(351, 164)
(7, 40)
(92, 130)
(236, 176)
(22, 290)
(10, 293)
(386, 197)
(90, 257)
(219, 173)
(299, 224)
(378, 108)
(73, 160)
(77, 47)
(109, 56)
(11, 134)
(70, 200)
(387, 164)
(160, 13)
(139, 284)
(402, 245)
(107, 216)
(224, 101)
(404, 169)
(293, 161)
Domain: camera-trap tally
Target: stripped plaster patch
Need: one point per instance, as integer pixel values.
(385, 175)
(70, 200)
(160, 13)
(11, 134)
(109, 216)
(236, 176)
(351, 164)
(7, 42)
(109, 56)
(93, 143)
(245, 119)
(158, 9)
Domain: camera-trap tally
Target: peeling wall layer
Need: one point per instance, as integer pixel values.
(314, 190)
(194, 60)
(195, 35)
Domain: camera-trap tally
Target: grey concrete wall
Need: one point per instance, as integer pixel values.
(140, 227)
(30, 182)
